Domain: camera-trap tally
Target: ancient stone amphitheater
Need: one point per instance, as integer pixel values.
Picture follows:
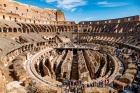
(40, 50)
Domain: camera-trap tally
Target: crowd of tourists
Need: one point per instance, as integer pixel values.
(78, 86)
(77, 45)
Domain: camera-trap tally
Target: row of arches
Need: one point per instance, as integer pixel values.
(26, 20)
(10, 29)
(36, 28)
(128, 27)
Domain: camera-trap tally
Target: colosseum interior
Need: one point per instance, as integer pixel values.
(41, 52)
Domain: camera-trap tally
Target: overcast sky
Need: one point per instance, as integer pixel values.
(85, 10)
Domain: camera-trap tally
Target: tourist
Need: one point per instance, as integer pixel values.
(70, 88)
(72, 82)
(79, 90)
(80, 82)
(108, 81)
(102, 84)
(67, 89)
(130, 86)
(33, 82)
(75, 89)
(138, 89)
(69, 82)
(93, 84)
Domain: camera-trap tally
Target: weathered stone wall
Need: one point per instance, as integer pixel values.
(120, 25)
(21, 11)
(66, 65)
(82, 67)
(60, 16)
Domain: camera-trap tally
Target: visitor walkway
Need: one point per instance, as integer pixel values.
(74, 68)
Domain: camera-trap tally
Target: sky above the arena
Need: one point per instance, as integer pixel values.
(90, 10)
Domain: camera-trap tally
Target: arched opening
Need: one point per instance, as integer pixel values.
(47, 30)
(85, 30)
(28, 30)
(15, 30)
(10, 29)
(19, 19)
(4, 5)
(64, 74)
(16, 8)
(53, 29)
(24, 31)
(54, 67)
(19, 30)
(4, 29)
(32, 30)
(62, 30)
(9, 17)
(15, 19)
(0, 30)
(48, 64)
(3, 16)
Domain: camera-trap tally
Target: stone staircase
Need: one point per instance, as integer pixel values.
(74, 68)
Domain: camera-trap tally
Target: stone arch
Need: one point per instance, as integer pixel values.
(57, 30)
(10, 18)
(15, 19)
(4, 5)
(53, 30)
(31, 30)
(24, 30)
(10, 29)
(4, 29)
(65, 28)
(28, 30)
(62, 29)
(44, 28)
(29, 26)
(3, 16)
(0, 29)
(15, 29)
(19, 30)
(35, 28)
(75, 29)
(38, 27)
(41, 28)
(48, 64)
(49, 28)
(68, 29)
